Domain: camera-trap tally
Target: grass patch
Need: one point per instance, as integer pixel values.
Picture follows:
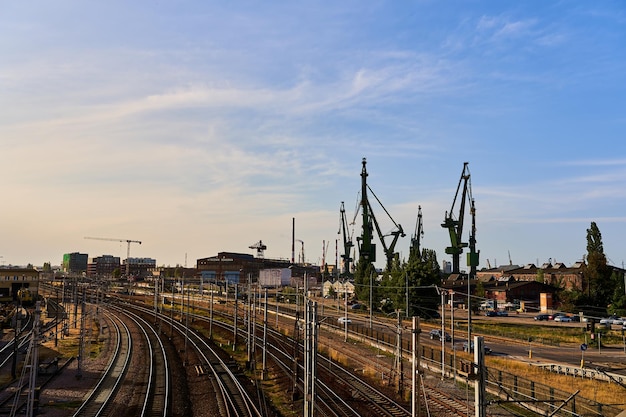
(599, 391)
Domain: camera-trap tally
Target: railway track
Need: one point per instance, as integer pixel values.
(233, 398)
(333, 377)
(157, 389)
(340, 392)
(101, 396)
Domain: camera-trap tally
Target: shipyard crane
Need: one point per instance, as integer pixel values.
(417, 236)
(347, 240)
(366, 248)
(455, 226)
(260, 249)
(128, 242)
(301, 254)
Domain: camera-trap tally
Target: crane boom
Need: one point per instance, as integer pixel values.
(347, 240)
(367, 248)
(417, 236)
(455, 227)
(128, 242)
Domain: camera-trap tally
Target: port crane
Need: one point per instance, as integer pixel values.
(260, 249)
(301, 254)
(417, 235)
(367, 249)
(455, 226)
(128, 242)
(347, 240)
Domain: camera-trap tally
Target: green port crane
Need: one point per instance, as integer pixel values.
(347, 240)
(455, 226)
(367, 249)
(417, 235)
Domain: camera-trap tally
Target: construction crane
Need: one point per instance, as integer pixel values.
(128, 241)
(347, 240)
(301, 254)
(417, 236)
(455, 226)
(260, 249)
(366, 248)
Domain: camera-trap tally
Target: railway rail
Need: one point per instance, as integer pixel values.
(101, 396)
(234, 399)
(157, 389)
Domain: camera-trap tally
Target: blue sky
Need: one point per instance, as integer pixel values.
(204, 126)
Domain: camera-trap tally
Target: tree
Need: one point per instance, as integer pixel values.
(423, 272)
(540, 276)
(597, 285)
(363, 270)
(618, 302)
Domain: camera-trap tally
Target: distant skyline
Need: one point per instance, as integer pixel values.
(201, 126)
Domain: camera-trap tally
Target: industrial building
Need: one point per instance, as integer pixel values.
(242, 268)
(75, 263)
(139, 268)
(103, 266)
(14, 279)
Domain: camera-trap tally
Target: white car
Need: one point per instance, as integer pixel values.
(563, 319)
(344, 320)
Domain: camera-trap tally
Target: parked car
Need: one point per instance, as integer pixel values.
(485, 348)
(542, 317)
(555, 315)
(491, 313)
(502, 313)
(344, 320)
(563, 319)
(436, 334)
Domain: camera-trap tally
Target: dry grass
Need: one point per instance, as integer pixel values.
(599, 391)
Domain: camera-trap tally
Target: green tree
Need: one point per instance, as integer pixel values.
(597, 285)
(618, 302)
(540, 275)
(363, 271)
(423, 273)
(47, 267)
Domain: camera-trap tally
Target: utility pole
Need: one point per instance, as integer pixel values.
(415, 402)
(235, 320)
(34, 365)
(406, 281)
(211, 316)
(81, 341)
(398, 361)
(443, 334)
(345, 321)
(479, 386)
(310, 360)
(264, 336)
(452, 332)
(249, 335)
(16, 341)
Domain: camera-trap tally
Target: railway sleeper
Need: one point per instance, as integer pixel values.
(200, 370)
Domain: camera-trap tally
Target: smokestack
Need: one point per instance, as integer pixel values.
(293, 240)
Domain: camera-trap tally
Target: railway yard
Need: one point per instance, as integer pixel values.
(127, 355)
